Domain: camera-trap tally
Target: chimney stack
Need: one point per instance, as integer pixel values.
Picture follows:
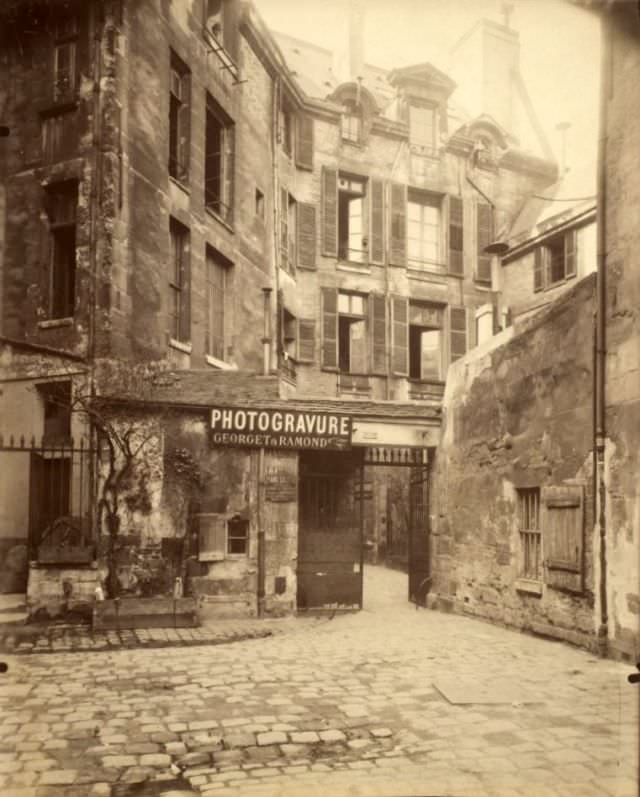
(348, 56)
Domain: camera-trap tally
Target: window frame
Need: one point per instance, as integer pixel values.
(215, 261)
(178, 280)
(424, 199)
(350, 122)
(219, 203)
(356, 189)
(179, 119)
(437, 325)
(352, 317)
(60, 228)
(528, 517)
(423, 144)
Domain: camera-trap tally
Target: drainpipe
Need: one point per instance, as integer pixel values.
(262, 553)
(599, 431)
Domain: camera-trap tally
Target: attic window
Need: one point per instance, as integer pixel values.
(422, 126)
(350, 122)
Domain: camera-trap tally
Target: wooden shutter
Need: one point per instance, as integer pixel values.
(329, 212)
(484, 215)
(456, 261)
(284, 229)
(570, 253)
(400, 335)
(378, 326)
(457, 333)
(304, 141)
(184, 126)
(398, 224)
(538, 269)
(306, 229)
(330, 328)
(376, 223)
(562, 536)
(306, 340)
(185, 289)
(212, 537)
(229, 166)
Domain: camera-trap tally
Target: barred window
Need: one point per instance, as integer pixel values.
(530, 533)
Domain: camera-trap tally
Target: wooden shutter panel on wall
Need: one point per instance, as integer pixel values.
(212, 537)
(562, 536)
(330, 328)
(456, 259)
(306, 229)
(400, 335)
(378, 325)
(306, 340)
(484, 215)
(538, 269)
(184, 126)
(304, 141)
(570, 253)
(376, 232)
(457, 333)
(329, 212)
(398, 224)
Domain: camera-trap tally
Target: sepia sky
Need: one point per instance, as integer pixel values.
(559, 48)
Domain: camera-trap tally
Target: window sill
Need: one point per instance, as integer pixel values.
(187, 348)
(218, 218)
(552, 285)
(54, 323)
(529, 586)
(353, 268)
(481, 285)
(180, 184)
(214, 362)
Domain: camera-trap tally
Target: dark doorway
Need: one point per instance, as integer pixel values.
(419, 543)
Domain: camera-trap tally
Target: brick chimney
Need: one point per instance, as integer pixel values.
(348, 55)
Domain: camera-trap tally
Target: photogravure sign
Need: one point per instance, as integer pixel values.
(269, 428)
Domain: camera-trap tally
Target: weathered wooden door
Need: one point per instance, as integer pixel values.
(329, 532)
(419, 558)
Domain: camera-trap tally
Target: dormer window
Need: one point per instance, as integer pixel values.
(422, 126)
(350, 122)
(213, 18)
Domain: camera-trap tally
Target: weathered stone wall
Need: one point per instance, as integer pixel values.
(54, 591)
(518, 413)
(622, 391)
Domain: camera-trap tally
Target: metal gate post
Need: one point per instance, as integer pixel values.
(362, 532)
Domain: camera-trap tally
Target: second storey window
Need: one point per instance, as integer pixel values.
(351, 221)
(423, 230)
(62, 201)
(422, 126)
(425, 342)
(219, 297)
(352, 333)
(219, 161)
(179, 120)
(179, 289)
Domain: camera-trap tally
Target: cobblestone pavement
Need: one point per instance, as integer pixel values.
(352, 706)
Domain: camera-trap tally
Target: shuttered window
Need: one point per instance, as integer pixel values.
(400, 335)
(538, 269)
(329, 212)
(563, 529)
(179, 283)
(376, 233)
(484, 217)
(398, 224)
(530, 535)
(457, 332)
(330, 328)
(570, 240)
(306, 228)
(378, 325)
(304, 141)
(212, 537)
(306, 340)
(456, 261)
(218, 161)
(179, 119)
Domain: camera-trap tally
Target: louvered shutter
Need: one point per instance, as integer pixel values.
(457, 332)
(485, 233)
(306, 229)
(376, 231)
(212, 537)
(398, 224)
(472, 332)
(185, 292)
(329, 212)
(284, 229)
(570, 253)
(184, 126)
(456, 260)
(400, 335)
(378, 326)
(538, 269)
(330, 328)
(306, 340)
(304, 141)
(562, 536)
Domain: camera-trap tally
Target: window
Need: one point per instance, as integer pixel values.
(352, 337)
(285, 130)
(259, 204)
(64, 59)
(179, 120)
(56, 397)
(422, 126)
(62, 200)
(237, 535)
(425, 342)
(423, 230)
(350, 122)
(288, 232)
(530, 535)
(351, 222)
(555, 261)
(179, 299)
(218, 297)
(219, 161)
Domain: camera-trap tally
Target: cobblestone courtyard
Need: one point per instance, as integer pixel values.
(390, 701)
